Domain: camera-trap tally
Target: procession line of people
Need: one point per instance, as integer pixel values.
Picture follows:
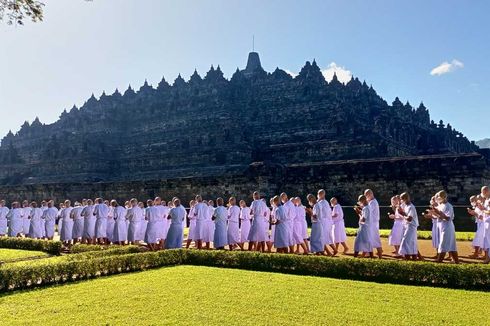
(282, 226)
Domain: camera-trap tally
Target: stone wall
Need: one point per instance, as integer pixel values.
(461, 175)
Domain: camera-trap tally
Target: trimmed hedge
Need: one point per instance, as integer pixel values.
(50, 247)
(114, 261)
(79, 248)
(476, 276)
(108, 251)
(15, 277)
(424, 235)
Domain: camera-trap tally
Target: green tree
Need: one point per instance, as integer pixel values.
(18, 11)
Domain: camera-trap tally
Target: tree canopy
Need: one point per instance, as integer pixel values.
(18, 11)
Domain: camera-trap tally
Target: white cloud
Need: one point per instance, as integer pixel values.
(446, 67)
(293, 74)
(343, 75)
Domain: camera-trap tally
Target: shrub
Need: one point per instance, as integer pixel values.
(50, 247)
(424, 235)
(21, 277)
(121, 260)
(384, 271)
(79, 248)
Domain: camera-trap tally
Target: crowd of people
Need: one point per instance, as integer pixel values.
(281, 226)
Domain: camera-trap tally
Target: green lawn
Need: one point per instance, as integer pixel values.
(9, 254)
(203, 295)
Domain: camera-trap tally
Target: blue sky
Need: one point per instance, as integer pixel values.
(88, 47)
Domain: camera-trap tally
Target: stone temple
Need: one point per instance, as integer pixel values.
(257, 130)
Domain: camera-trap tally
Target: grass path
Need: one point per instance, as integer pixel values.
(203, 296)
(14, 254)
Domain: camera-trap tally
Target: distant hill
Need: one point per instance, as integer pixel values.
(484, 143)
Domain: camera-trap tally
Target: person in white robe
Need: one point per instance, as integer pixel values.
(209, 233)
(15, 221)
(110, 223)
(477, 212)
(338, 233)
(435, 233)
(408, 246)
(374, 224)
(120, 234)
(245, 220)
(67, 223)
(35, 217)
(300, 232)
(26, 212)
(144, 222)
(200, 213)
(272, 222)
(59, 220)
(175, 235)
(78, 221)
(220, 218)
(259, 230)
(316, 238)
(163, 222)
(49, 217)
(3, 218)
(282, 231)
(396, 234)
(233, 224)
(363, 242)
(485, 203)
(290, 212)
(325, 219)
(135, 215)
(101, 211)
(152, 216)
(445, 213)
(192, 234)
(88, 223)
(44, 207)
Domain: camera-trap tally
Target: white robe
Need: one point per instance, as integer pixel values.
(101, 212)
(259, 230)
(338, 231)
(290, 211)
(325, 219)
(479, 237)
(244, 223)
(175, 235)
(78, 222)
(121, 225)
(3, 220)
(408, 245)
(233, 225)
(36, 228)
(67, 224)
(192, 234)
(153, 217)
(15, 222)
(209, 234)
(374, 225)
(110, 224)
(88, 222)
(447, 231)
(49, 217)
(135, 216)
(396, 234)
(220, 236)
(363, 242)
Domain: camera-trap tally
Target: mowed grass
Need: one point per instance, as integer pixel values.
(12, 254)
(188, 295)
